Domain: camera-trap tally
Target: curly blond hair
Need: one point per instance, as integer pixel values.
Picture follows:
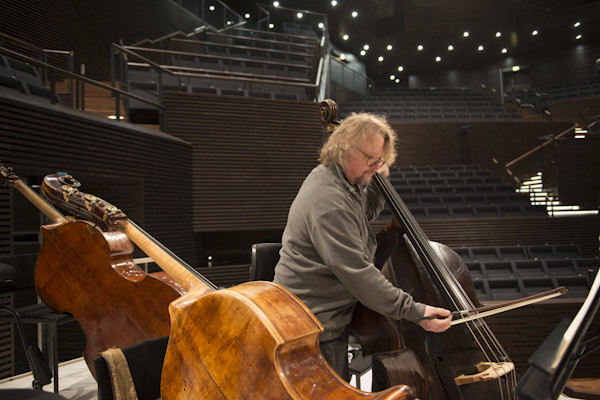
(351, 134)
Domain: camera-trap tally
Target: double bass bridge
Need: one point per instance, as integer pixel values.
(487, 371)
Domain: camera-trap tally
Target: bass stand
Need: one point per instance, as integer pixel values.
(37, 363)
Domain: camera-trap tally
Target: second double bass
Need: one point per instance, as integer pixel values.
(466, 361)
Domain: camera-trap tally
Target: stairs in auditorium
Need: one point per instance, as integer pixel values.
(539, 196)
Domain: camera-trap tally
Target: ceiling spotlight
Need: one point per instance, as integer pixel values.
(247, 16)
(516, 68)
(342, 56)
(420, 47)
(366, 47)
(401, 68)
(362, 52)
(438, 59)
(354, 14)
(450, 48)
(534, 33)
(211, 8)
(498, 34)
(480, 48)
(299, 15)
(380, 59)
(392, 77)
(389, 47)
(465, 34)
(578, 37)
(321, 25)
(334, 3)
(275, 4)
(271, 26)
(397, 80)
(577, 24)
(504, 51)
(345, 37)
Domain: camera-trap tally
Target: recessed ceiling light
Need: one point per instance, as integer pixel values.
(534, 33)
(397, 80)
(299, 15)
(345, 37)
(480, 48)
(465, 34)
(321, 25)
(366, 47)
(576, 24)
(516, 68)
(275, 4)
(362, 52)
(247, 16)
(438, 59)
(450, 47)
(342, 56)
(420, 47)
(392, 77)
(380, 59)
(271, 26)
(401, 68)
(504, 51)
(389, 47)
(211, 8)
(354, 14)
(498, 34)
(578, 37)
(334, 3)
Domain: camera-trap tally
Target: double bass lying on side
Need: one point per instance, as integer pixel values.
(252, 341)
(89, 273)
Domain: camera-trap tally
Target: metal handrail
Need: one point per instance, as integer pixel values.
(117, 92)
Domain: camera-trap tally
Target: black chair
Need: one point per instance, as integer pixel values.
(145, 360)
(17, 274)
(263, 259)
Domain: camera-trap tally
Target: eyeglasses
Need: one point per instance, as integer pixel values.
(372, 161)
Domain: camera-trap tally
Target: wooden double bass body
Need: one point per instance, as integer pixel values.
(466, 361)
(253, 341)
(90, 274)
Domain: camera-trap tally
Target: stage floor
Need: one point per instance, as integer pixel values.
(76, 382)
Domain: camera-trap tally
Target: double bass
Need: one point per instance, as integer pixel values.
(466, 361)
(85, 269)
(252, 341)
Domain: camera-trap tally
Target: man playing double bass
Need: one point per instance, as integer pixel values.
(328, 245)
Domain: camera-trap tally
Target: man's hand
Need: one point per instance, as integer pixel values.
(439, 324)
(384, 170)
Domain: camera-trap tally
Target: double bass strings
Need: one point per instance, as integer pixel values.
(480, 331)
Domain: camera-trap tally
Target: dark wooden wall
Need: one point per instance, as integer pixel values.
(143, 171)
(249, 156)
(89, 27)
(578, 166)
(470, 143)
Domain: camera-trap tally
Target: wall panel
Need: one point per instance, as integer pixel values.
(249, 156)
(142, 171)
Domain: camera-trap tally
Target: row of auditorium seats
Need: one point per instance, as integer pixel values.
(431, 104)
(511, 272)
(24, 78)
(457, 191)
(583, 89)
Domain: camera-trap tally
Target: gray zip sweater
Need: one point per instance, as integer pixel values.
(327, 253)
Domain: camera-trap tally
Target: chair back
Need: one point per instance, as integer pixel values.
(263, 260)
(145, 360)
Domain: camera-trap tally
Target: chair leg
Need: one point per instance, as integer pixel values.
(52, 341)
